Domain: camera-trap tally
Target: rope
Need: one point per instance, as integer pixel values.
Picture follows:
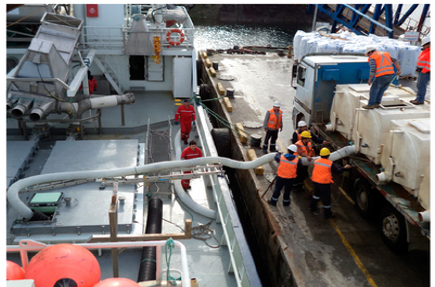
(225, 122)
(168, 254)
(205, 232)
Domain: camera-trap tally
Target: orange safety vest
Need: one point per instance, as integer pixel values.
(287, 168)
(308, 149)
(274, 123)
(423, 61)
(322, 171)
(384, 65)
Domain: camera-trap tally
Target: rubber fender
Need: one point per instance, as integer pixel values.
(222, 140)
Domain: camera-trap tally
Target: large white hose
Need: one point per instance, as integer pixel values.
(182, 195)
(336, 155)
(26, 212)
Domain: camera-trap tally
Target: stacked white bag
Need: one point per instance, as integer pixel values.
(312, 42)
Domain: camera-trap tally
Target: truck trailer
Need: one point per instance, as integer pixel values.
(390, 178)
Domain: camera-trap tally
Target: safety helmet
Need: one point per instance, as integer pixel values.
(370, 48)
(425, 40)
(292, 148)
(302, 124)
(277, 104)
(324, 152)
(306, 135)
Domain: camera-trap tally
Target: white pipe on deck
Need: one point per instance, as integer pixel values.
(182, 195)
(26, 212)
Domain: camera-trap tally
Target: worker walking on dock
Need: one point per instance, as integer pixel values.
(288, 164)
(304, 149)
(190, 152)
(272, 124)
(381, 68)
(186, 114)
(322, 179)
(423, 69)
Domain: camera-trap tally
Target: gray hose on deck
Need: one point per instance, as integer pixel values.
(336, 155)
(182, 195)
(26, 212)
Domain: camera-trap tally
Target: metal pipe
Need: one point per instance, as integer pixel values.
(424, 216)
(21, 107)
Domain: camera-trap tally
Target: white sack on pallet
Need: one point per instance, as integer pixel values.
(408, 56)
(307, 43)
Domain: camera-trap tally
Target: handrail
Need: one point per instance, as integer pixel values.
(32, 245)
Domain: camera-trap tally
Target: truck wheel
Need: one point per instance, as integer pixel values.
(393, 229)
(364, 199)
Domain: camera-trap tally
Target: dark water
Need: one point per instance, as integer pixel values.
(227, 36)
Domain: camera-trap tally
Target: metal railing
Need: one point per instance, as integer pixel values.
(30, 245)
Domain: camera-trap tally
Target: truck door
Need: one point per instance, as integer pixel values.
(305, 79)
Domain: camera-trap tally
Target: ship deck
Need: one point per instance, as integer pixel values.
(344, 251)
(208, 256)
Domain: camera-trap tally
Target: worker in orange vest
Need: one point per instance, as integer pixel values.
(190, 152)
(186, 114)
(322, 179)
(423, 69)
(382, 69)
(304, 149)
(302, 126)
(286, 174)
(272, 124)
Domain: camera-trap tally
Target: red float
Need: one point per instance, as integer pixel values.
(117, 282)
(64, 262)
(14, 271)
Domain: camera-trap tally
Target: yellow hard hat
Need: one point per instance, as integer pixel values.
(324, 152)
(306, 135)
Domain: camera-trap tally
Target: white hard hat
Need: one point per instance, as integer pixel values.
(425, 40)
(370, 48)
(277, 104)
(302, 124)
(292, 148)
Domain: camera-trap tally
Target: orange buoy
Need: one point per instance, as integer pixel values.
(64, 264)
(117, 282)
(14, 271)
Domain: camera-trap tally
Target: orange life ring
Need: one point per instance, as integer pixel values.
(173, 43)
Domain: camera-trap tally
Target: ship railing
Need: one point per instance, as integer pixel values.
(233, 235)
(103, 38)
(26, 246)
(115, 38)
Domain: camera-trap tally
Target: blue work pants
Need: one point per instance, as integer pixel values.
(379, 86)
(422, 81)
(272, 135)
(322, 192)
(287, 183)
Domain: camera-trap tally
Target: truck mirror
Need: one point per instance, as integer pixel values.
(295, 70)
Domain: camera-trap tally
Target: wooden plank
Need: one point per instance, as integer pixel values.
(208, 63)
(212, 72)
(243, 136)
(253, 156)
(220, 88)
(228, 104)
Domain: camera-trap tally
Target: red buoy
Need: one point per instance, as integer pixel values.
(117, 282)
(66, 264)
(14, 271)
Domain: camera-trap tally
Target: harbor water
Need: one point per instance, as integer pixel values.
(227, 36)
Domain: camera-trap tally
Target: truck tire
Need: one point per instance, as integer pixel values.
(393, 229)
(364, 199)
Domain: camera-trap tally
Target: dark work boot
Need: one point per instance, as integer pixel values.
(265, 149)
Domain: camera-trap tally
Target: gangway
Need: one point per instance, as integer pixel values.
(382, 21)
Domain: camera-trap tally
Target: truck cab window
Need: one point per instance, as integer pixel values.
(301, 75)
